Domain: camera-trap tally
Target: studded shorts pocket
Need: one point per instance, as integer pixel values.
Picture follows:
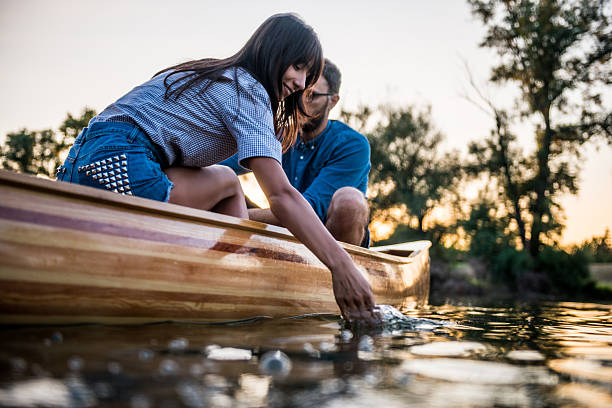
(127, 170)
(110, 173)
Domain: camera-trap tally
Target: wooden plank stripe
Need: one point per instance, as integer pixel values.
(62, 299)
(64, 278)
(97, 254)
(15, 214)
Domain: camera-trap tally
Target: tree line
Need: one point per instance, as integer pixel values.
(42, 151)
(557, 54)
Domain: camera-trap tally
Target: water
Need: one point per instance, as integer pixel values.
(546, 355)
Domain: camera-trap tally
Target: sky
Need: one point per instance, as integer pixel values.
(60, 56)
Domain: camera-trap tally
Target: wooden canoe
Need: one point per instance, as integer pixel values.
(70, 253)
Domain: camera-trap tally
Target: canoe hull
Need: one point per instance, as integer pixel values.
(75, 254)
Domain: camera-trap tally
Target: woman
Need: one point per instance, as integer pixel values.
(162, 139)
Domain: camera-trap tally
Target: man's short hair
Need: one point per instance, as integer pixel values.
(332, 75)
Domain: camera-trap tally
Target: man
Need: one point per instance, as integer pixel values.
(329, 164)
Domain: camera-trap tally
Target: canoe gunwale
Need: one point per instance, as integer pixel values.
(101, 197)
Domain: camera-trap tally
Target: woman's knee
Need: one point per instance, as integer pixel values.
(203, 187)
(226, 178)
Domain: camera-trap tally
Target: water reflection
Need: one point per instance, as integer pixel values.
(551, 354)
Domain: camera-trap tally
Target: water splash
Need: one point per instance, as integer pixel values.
(392, 320)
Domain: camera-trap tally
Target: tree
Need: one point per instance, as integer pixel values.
(497, 158)
(490, 240)
(71, 126)
(407, 167)
(598, 248)
(557, 52)
(34, 152)
(40, 152)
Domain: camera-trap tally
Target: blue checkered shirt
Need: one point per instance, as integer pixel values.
(202, 128)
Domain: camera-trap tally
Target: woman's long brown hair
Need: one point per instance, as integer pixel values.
(281, 41)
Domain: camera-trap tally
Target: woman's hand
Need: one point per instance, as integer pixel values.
(352, 291)
(353, 294)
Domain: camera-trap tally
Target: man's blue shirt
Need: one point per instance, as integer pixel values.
(338, 157)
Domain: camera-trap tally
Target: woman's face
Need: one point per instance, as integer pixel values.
(294, 79)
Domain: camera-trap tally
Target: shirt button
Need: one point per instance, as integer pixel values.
(301, 157)
(295, 179)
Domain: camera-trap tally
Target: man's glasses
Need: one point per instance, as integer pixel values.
(311, 97)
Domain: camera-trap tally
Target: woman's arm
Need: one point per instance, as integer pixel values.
(263, 215)
(352, 291)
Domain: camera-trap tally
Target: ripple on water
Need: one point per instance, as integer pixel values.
(48, 392)
(145, 355)
(18, 364)
(445, 394)
(525, 355)
(588, 369)
(191, 394)
(169, 367)
(585, 394)
(103, 390)
(366, 343)
(448, 348)
(229, 353)
(44, 391)
(140, 401)
(591, 352)
(216, 382)
(178, 344)
(253, 390)
(476, 372)
(75, 363)
(114, 367)
(367, 399)
(311, 351)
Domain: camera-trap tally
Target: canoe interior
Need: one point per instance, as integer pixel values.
(73, 254)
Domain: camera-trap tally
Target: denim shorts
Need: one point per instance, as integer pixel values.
(118, 157)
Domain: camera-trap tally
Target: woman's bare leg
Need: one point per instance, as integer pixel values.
(212, 188)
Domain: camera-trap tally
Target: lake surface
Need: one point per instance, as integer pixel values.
(545, 355)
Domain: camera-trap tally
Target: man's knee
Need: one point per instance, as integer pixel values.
(349, 204)
(347, 216)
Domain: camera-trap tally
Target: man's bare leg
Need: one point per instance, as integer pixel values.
(347, 215)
